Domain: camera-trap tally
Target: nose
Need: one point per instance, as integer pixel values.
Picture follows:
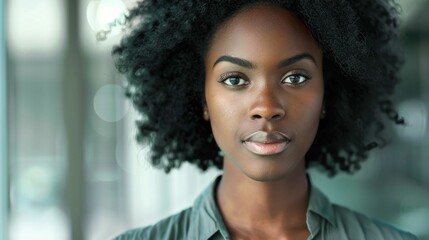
(267, 105)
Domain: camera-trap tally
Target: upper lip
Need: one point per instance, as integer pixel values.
(267, 137)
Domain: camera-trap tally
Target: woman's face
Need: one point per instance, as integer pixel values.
(264, 92)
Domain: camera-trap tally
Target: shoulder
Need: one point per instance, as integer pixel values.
(359, 226)
(173, 227)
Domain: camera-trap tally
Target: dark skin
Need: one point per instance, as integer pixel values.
(264, 77)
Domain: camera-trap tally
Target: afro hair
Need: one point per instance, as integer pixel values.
(162, 58)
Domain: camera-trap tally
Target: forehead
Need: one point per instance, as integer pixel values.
(262, 29)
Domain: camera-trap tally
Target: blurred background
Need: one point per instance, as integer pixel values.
(69, 164)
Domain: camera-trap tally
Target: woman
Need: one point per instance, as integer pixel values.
(263, 90)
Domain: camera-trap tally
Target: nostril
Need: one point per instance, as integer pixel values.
(277, 116)
(274, 117)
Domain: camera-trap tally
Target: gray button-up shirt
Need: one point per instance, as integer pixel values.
(325, 220)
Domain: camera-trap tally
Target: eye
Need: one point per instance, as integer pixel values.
(233, 79)
(295, 79)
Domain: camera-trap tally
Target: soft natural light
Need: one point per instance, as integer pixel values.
(24, 226)
(71, 166)
(35, 27)
(105, 15)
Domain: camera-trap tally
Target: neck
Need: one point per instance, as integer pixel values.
(249, 204)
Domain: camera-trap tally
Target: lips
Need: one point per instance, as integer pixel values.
(266, 143)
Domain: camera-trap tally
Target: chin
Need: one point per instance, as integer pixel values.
(265, 175)
(265, 178)
(270, 170)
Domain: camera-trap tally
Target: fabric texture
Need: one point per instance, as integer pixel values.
(325, 221)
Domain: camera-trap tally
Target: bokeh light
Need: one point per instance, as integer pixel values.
(110, 104)
(106, 15)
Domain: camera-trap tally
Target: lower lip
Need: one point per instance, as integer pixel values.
(266, 148)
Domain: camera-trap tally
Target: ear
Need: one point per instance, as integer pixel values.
(206, 115)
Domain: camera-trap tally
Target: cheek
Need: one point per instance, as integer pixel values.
(223, 112)
(306, 111)
(223, 106)
(314, 100)
(226, 111)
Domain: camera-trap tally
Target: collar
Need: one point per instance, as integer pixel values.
(319, 209)
(207, 222)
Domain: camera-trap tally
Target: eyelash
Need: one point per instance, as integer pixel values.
(296, 74)
(234, 75)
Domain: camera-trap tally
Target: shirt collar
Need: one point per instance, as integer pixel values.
(319, 208)
(207, 221)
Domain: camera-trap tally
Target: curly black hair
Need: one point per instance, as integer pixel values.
(163, 54)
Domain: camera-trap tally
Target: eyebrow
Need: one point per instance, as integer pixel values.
(235, 60)
(247, 64)
(295, 59)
